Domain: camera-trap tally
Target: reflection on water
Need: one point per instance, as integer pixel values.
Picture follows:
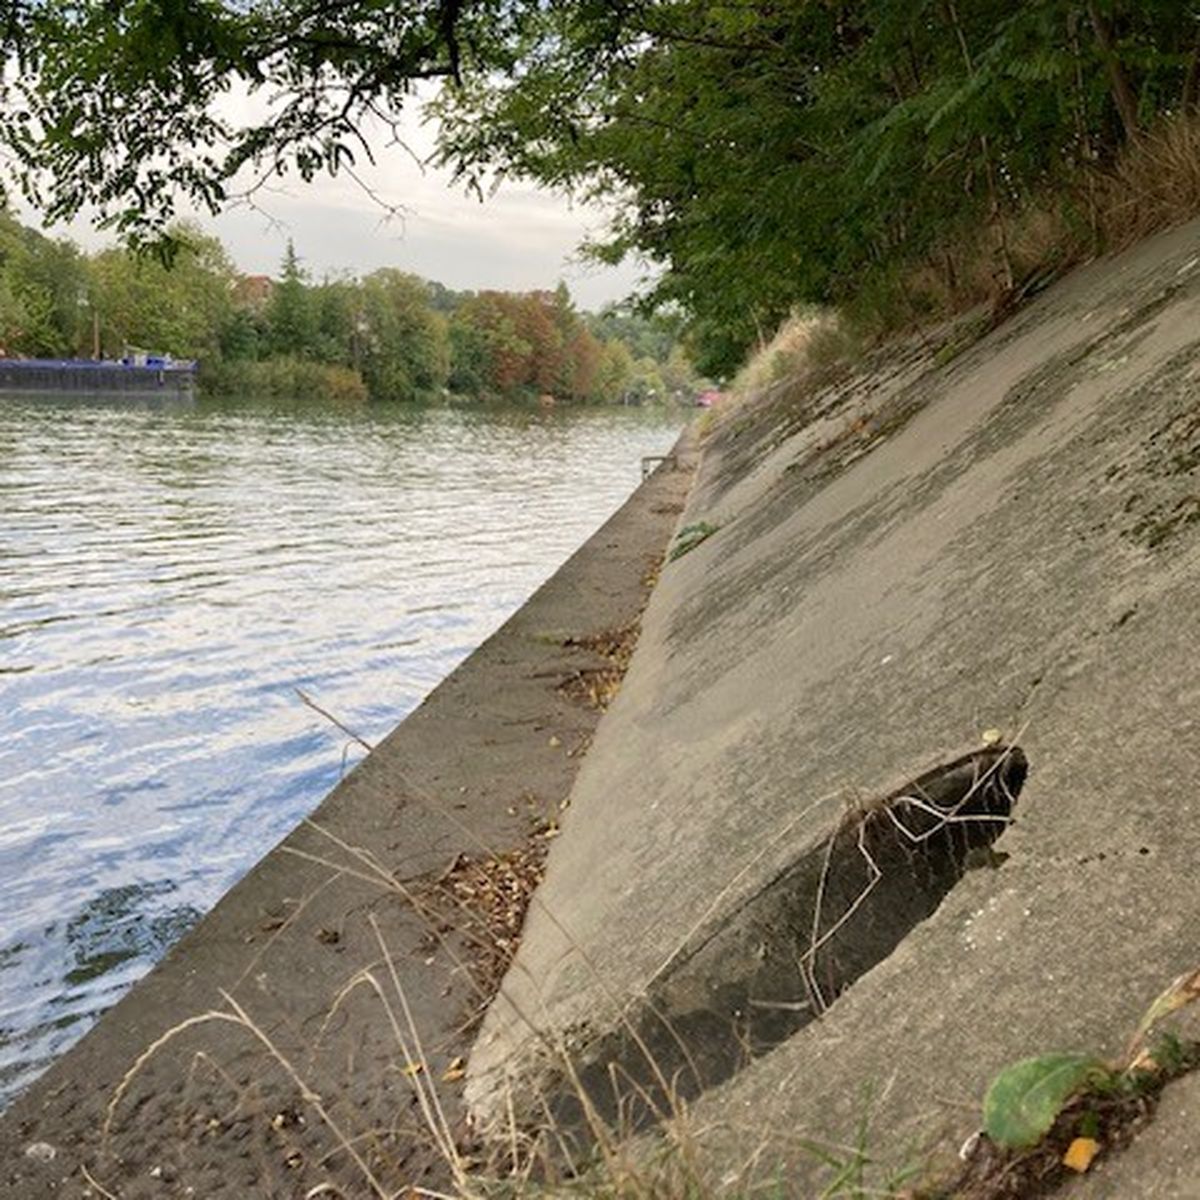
(168, 577)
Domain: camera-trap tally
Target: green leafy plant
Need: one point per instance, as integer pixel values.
(1026, 1097)
(690, 536)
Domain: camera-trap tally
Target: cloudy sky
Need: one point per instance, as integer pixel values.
(518, 239)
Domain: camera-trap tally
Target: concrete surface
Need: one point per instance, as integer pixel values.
(1011, 545)
(219, 1113)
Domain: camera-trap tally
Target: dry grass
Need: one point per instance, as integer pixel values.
(535, 1155)
(811, 345)
(785, 355)
(1153, 185)
(811, 349)
(485, 897)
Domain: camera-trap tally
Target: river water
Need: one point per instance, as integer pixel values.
(169, 577)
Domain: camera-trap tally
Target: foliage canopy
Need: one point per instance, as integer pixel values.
(760, 154)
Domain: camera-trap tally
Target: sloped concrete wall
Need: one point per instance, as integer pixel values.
(1011, 544)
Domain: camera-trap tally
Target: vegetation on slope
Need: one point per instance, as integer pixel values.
(892, 157)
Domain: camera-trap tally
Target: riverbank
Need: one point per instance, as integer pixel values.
(477, 774)
(899, 790)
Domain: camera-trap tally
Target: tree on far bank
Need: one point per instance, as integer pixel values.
(470, 358)
(407, 349)
(43, 292)
(391, 332)
(290, 314)
(181, 309)
(242, 336)
(613, 372)
(337, 306)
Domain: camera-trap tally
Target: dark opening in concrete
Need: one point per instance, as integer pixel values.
(788, 952)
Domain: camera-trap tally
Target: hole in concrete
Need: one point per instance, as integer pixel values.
(788, 953)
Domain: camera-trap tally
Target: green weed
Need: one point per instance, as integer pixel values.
(689, 537)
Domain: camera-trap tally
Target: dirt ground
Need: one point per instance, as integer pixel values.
(305, 1038)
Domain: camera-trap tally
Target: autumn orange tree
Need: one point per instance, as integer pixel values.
(535, 342)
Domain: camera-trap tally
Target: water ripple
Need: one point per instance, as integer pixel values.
(168, 577)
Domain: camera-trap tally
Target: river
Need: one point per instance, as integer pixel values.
(169, 577)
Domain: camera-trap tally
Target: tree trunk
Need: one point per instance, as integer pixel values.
(1087, 151)
(1122, 92)
(1191, 84)
(997, 213)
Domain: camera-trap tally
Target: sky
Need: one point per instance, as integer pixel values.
(519, 239)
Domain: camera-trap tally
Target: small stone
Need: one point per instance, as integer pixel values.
(41, 1152)
(991, 737)
(554, 741)
(156, 1172)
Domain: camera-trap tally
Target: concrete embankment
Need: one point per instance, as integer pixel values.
(273, 1052)
(959, 596)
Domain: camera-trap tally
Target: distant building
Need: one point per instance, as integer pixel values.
(253, 291)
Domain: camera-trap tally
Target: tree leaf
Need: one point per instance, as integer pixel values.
(1025, 1098)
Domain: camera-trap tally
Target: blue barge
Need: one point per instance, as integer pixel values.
(147, 375)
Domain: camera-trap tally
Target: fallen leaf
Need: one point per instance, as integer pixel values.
(1182, 992)
(1144, 1061)
(991, 737)
(412, 1069)
(1080, 1154)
